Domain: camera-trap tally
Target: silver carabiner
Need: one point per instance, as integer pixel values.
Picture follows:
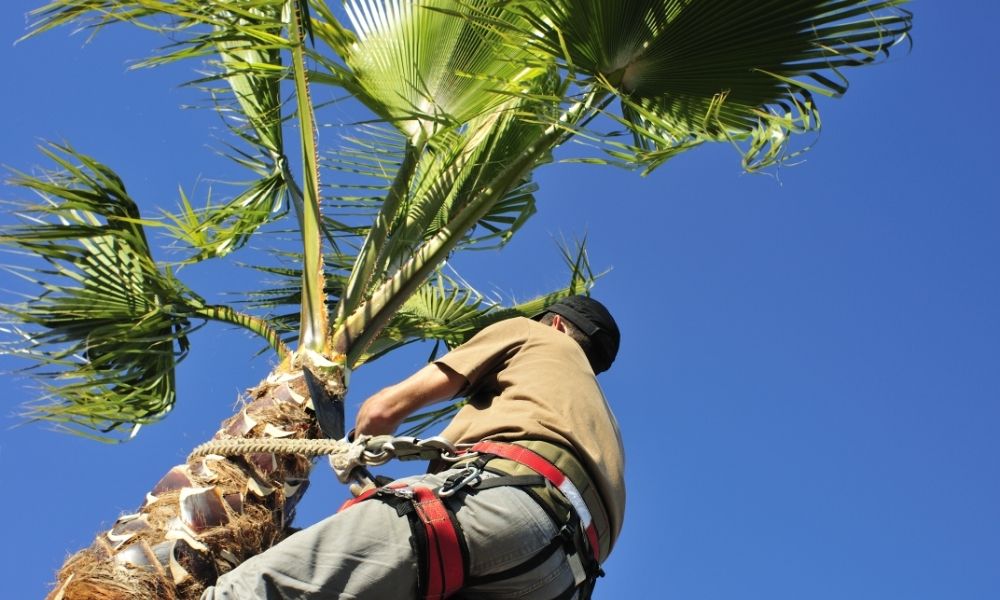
(446, 451)
(468, 476)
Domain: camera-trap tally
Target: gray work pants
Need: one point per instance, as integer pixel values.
(365, 553)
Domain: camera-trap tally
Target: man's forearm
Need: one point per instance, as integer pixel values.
(384, 411)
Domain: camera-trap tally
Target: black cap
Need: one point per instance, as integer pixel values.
(594, 320)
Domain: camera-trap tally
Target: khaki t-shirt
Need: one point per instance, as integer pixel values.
(529, 381)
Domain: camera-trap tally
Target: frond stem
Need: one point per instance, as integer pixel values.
(313, 333)
(372, 250)
(225, 314)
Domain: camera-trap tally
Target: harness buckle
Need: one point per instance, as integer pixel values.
(567, 535)
(469, 476)
(406, 493)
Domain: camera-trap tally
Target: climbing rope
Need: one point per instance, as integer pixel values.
(237, 446)
(345, 456)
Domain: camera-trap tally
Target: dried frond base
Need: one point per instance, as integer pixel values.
(89, 575)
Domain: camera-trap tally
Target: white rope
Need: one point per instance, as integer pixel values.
(238, 446)
(345, 456)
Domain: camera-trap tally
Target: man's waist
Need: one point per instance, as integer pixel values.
(580, 483)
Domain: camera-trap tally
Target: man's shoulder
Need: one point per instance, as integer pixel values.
(512, 325)
(518, 334)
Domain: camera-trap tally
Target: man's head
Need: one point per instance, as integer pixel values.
(591, 325)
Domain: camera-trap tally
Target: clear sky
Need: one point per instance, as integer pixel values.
(809, 380)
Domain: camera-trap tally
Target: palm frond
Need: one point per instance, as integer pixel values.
(436, 311)
(194, 28)
(315, 325)
(487, 164)
(450, 310)
(251, 106)
(375, 161)
(212, 231)
(254, 73)
(242, 44)
(420, 66)
(689, 72)
(107, 326)
(505, 218)
(464, 167)
(105, 332)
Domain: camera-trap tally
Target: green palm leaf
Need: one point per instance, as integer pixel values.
(422, 68)
(212, 231)
(491, 144)
(108, 326)
(369, 161)
(450, 310)
(694, 71)
(249, 63)
(103, 332)
(242, 43)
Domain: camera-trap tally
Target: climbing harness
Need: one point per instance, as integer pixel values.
(548, 473)
(443, 555)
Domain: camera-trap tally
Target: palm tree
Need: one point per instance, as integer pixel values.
(467, 98)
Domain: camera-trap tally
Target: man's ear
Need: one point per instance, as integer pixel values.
(558, 324)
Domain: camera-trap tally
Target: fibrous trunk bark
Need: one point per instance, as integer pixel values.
(206, 516)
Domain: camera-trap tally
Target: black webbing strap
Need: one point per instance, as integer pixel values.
(568, 593)
(514, 480)
(563, 539)
(567, 538)
(529, 483)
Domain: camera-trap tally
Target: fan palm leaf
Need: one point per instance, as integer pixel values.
(108, 326)
(244, 41)
(249, 63)
(421, 68)
(429, 74)
(695, 71)
(102, 328)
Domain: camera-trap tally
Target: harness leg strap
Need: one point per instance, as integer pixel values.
(445, 552)
(440, 546)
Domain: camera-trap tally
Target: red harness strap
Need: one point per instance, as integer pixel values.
(445, 562)
(445, 573)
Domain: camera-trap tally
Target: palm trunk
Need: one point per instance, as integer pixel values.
(206, 516)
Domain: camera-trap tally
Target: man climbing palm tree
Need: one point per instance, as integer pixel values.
(474, 96)
(533, 507)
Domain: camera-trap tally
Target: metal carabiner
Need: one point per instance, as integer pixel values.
(445, 450)
(468, 476)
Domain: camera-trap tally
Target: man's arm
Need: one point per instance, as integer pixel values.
(384, 411)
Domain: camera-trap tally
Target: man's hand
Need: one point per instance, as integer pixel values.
(382, 413)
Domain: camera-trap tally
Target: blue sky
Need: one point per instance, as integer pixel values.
(809, 381)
